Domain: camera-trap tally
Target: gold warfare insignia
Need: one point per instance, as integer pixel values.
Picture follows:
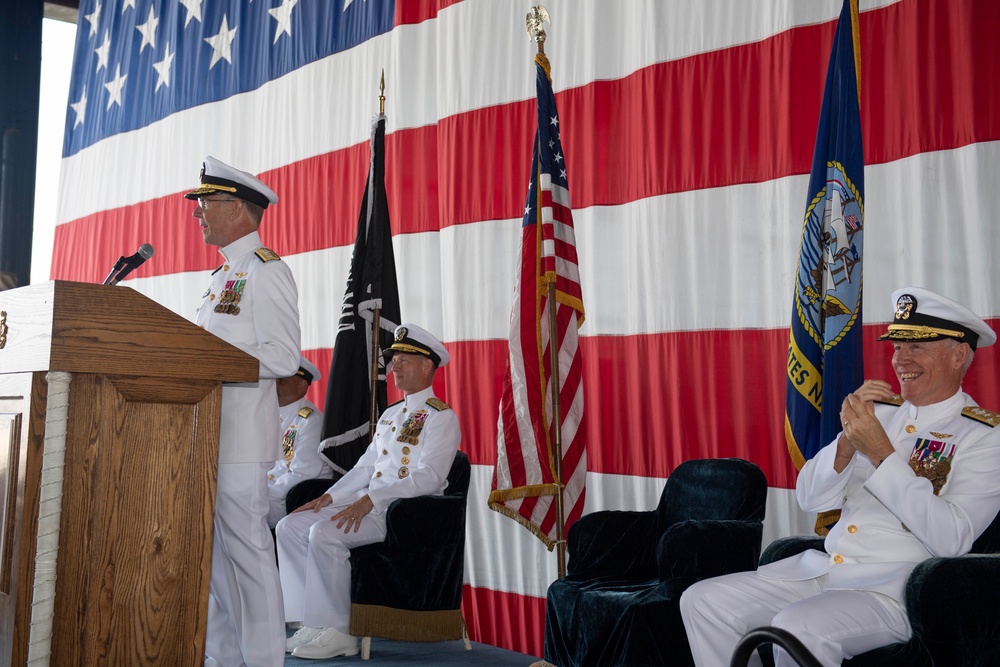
(437, 404)
(981, 415)
(288, 444)
(266, 254)
(410, 431)
(931, 459)
(943, 436)
(404, 472)
(305, 412)
(905, 305)
(400, 334)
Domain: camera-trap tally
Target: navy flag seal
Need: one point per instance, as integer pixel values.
(828, 284)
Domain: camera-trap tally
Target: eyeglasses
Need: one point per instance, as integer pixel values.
(203, 201)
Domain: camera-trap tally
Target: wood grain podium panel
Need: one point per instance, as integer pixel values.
(22, 394)
(134, 510)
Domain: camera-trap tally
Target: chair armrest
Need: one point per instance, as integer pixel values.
(789, 546)
(613, 542)
(708, 548)
(422, 522)
(953, 600)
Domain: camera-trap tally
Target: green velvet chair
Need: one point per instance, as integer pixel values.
(409, 587)
(953, 605)
(619, 602)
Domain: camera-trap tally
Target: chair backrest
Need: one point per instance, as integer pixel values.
(712, 489)
(989, 541)
(458, 476)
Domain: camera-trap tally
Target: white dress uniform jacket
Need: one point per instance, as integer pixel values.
(301, 424)
(412, 452)
(251, 303)
(891, 519)
(264, 323)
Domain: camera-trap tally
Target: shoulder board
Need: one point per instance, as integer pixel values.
(218, 269)
(893, 400)
(305, 412)
(266, 254)
(437, 404)
(982, 415)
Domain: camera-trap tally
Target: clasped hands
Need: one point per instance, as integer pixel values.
(862, 430)
(346, 518)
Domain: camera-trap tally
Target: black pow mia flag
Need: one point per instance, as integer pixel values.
(370, 285)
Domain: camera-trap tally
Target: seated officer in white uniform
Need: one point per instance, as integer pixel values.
(411, 455)
(914, 476)
(301, 425)
(251, 303)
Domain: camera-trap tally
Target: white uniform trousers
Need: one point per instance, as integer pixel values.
(245, 621)
(275, 512)
(833, 624)
(315, 571)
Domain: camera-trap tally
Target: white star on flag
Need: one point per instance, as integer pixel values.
(148, 31)
(93, 19)
(163, 69)
(193, 8)
(127, 4)
(115, 87)
(80, 108)
(221, 43)
(283, 15)
(102, 52)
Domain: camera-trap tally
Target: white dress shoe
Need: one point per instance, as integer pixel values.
(329, 643)
(302, 636)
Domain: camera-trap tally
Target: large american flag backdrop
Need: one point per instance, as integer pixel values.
(688, 128)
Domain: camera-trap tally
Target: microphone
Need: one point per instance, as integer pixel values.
(126, 265)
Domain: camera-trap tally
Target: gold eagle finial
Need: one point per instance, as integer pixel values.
(534, 21)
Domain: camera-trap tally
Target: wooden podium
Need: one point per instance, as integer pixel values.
(131, 568)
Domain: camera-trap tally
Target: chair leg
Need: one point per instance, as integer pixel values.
(465, 635)
(366, 648)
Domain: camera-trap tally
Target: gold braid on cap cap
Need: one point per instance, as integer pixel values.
(920, 332)
(412, 349)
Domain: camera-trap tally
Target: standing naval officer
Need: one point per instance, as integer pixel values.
(411, 455)
(913, 475)
(301, 424)
(251, 303)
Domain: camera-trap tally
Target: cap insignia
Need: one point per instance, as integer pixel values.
(905, 305)
(400, 334)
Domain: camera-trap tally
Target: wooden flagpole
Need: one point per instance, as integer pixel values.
(376, 318)
(534, 23)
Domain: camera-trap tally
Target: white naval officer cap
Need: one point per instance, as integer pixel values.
(924, 315)
(308, 371)
(218, 177)
(411, 339)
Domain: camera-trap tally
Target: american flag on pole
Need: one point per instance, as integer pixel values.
(525, 480)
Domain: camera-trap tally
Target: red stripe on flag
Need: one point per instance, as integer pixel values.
(510, 621)
(715, 394)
